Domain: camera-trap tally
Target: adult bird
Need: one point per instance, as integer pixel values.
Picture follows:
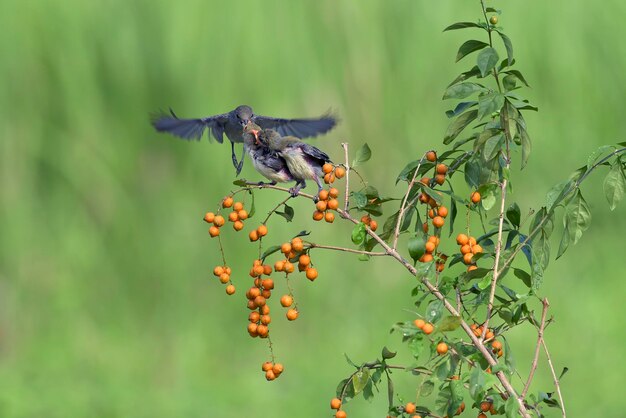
(264, 160)
(304, 161)
(233, 122)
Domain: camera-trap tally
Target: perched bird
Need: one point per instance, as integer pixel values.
(264, 160)
(304, 161)
(232, 124)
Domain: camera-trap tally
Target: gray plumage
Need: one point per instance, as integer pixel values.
(304, 161)
(232, 124)
(264, 160)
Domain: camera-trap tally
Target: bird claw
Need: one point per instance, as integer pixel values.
(295, 191)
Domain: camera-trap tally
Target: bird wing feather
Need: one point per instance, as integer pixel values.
(190, 129)
(301, 128)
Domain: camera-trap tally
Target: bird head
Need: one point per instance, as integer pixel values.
(272, 139)
(243, 114)
(251, 133)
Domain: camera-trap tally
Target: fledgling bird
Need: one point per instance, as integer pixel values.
(233, 122)
(304, 161)
(265, 161)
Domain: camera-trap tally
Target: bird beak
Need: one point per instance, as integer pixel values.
(256, 135)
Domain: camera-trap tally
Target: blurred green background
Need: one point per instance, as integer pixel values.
(107, 305)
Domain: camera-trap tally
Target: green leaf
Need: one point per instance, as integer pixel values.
(460, 108)
(565, 239)
(489, 103)
(359, 380)
(523, 276)
(360, 200)
(597, 153)
(362, 155)
(457, 126)
(556, 193)
(513, 214)
(287, 214)
(526, 144)
(449, 323)
(519, 76)
(345, 390)
(368, 391)
(434, 311)
(417, 247)
(509, 82)
(462, 25)
(358, 233)
(240, 182)
(578, 216)
(487, 195)
(269, 251)
(427, 388)
(484, 283)
(416, 345)
(493, 146)
(509, 47)
(456, 389)
(511, 407)
(477, 384)
(614, 185)
(387, 354)
(473, 72)
(468, 47)
(487, 60)
(462, 90)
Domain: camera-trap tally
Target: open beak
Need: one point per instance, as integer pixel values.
(256, 136)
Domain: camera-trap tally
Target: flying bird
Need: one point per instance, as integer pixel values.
(264, 160)
(304, 161)
(232, 124)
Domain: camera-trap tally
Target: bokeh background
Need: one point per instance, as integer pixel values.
(107, 305)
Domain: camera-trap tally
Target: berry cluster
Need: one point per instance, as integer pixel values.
(332, 172)
(327, 201)
(272, 370)
(496, 346)
(469, 248)
(371, 223)
(223, 274)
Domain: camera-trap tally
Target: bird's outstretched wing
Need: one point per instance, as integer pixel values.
(190, 128)
(301, 128)
(314, 152)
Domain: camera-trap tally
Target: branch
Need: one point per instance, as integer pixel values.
(396, 232)
(348, 250)
(556, 379)
(533, 366)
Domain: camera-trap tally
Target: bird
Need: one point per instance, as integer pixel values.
(304, 161)
(232, 124)
(264, 160)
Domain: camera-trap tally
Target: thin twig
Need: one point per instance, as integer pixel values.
(348, 250)
(346, 202)
(540, 329)
(556, 379)
(396, 232)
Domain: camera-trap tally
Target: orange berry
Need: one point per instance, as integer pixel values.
(266, 293)
(265, 319)
(285, 248)
(333, 204)
(233, 216)
(341, 414)
(442, 348)
(251, 306)
(440, 267)
(265, 310)
(304, 260)
(482, 415)
(209, 217)
(477, 249)
(485, 406)
(227, 202)
(373, 225)
(442, 169)
(489, 335)
(493, 410)
(432, 202)
(252, 328)
(289, 268)
(426, 258)
(366, 219)
(497, 345)
(262, 230)
(460, 410)
(263, 331)
(327, 168)
(425, 181)
(218, 270)
(311, 273)
(279, 265)
(329, 217)
(475, 197)
(219, 220)
(297, 244)
(258, 270)
(259, 301)
(472, 241)
(269, 375)
(410, 408)
(329, 178)
(266, 366)
(292, 314)
(431, 213)
(224, 278)
(442, 211)
(419, 322)
(318, 216)
(440, 179)
(237, 206)
(467, 258)
(267, 284)
(253, 235)
(278, 369)
(431, 156)
(267, 270)
(321, 205)
(230, 289)
(254, 316)
(430, 247)
(214, 231)
(434, 238)
(340, 172)
(333, 192)
(335, 403)
(286, 301)
(238, 226)
(243, 214)
(323, 195)
(470, 268)
(423, 197)
(466, 249)
(428, 328)
(425, 227)
(438, 221)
